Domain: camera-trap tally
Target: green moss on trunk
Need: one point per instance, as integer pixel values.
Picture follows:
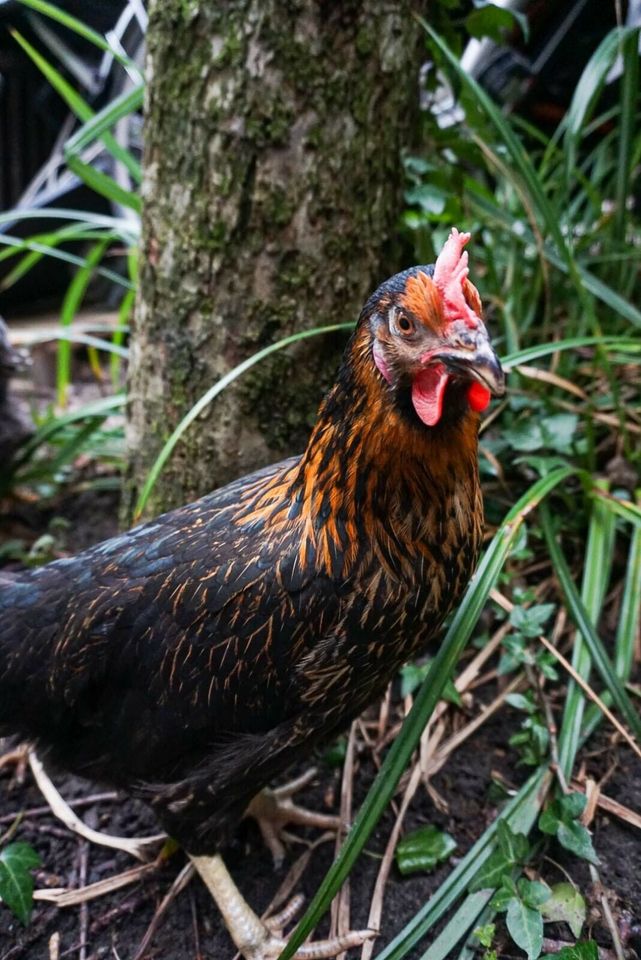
(272, 187)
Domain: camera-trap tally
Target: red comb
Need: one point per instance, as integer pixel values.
(450, 273)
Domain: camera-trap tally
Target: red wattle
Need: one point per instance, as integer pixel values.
(428, 390)
(478, 396)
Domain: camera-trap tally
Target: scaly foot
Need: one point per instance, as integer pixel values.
(264, 940)
(19, 758)
(273, 809)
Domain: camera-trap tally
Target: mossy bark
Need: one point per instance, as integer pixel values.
(273, 186)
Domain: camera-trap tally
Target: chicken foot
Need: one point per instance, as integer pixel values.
(258, 939)
(273, 809)
(18, 757)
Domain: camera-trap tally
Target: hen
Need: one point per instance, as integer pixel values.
(193, 659)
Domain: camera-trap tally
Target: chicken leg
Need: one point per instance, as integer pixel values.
(257, 939)
(273, 809)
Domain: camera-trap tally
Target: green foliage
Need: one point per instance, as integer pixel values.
(518, 650)
(533, 739)
(17, 860)
(560, 820)
(48, 459)
(413, 674)
(586, 950)
(565, 905)
(485, 934)
(423, 849)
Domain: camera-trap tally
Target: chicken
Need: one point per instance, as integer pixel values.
(196, 657)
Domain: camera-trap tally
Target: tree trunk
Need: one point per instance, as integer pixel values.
(273, 186)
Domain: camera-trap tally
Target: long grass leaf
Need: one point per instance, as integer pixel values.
(77, 26)
(118, 108)
(593, 643)
(627, 127)
(628, 627)
(128, 231)
(211, 394)
(72, 300)
(70, 95)
(520, 812)
(548, 215)
(398, 756)
(572, 343)
(98, 408)
(586, 95)
(103, 184)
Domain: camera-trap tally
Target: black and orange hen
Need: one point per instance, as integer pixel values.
(194, 658)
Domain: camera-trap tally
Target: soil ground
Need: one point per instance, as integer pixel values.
(115, 925)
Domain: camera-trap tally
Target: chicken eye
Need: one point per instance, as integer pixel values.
(404, 324)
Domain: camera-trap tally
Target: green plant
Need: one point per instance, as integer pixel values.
(45, 462)
(17, 860)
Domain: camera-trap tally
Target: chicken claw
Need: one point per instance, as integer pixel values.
(264, 940)
(272, 809)
(18, 757)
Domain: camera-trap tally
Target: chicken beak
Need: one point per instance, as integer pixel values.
(486, 367)
(473, 354)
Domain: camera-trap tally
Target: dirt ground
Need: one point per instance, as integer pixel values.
(114, 925)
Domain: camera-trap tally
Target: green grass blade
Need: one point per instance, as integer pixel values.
(463, 920)
(124, 313)
(572, 343)
(627, 629)
(630, 615)
(593, 284)
(598, 653)
(398, 756)
(72, 300)
(101, 122)
(623, 508)
(72, 98)
(211, 394)
(129, 233)
(627, 129)
(596, 573)
(103, 184)
(49, 251)
(77, 26)
(99, 408)
(520, 812)
(548, 214)
(587, 94)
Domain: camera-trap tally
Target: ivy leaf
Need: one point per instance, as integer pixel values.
(492, 872)
(525, 926)
(576, 838)
(559, 431)
(533, 893)
(506, 892)
(428, 197)
(549, 821)
(587, 950)
(424, 849)
(572, 805)
(412, 676)
(529, 621)
(566, 905)
(16, 883)
(526, 436)
(515, 846)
